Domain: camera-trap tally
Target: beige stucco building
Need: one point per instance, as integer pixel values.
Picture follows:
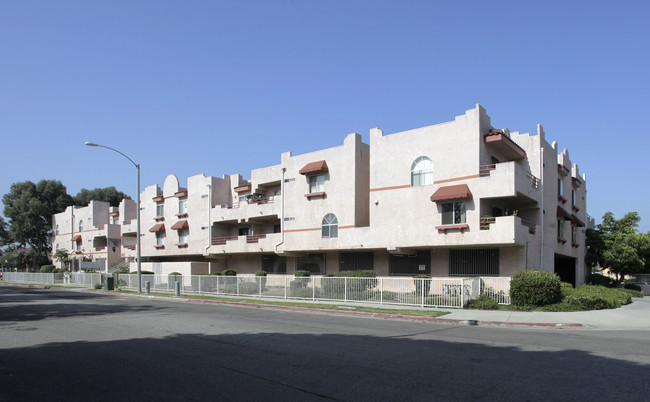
(459, 198)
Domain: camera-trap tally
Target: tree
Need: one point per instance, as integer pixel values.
(62, 255)
(4, 234)
(618, 246)
(107, 194)
(29, 208)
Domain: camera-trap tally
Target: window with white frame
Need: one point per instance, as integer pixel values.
(421, 172)
(160, 209)
(560, 187)
(81, 226)
(454, 213)
(182, 236)
(160, 238)
(574, 198)
(574, 234)
(317, 183)
(182, 206)
(330, 226)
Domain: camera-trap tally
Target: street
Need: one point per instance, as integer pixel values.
(63, 345)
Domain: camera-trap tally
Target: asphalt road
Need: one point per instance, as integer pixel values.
(60, 345)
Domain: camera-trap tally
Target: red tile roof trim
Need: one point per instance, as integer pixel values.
(314, 168)
(458, 192)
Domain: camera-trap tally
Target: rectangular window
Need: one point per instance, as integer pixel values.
(454, 213)
(560, 187)
(317, 183)
(574, 198)
(182, 206)
(160, 209)
(419, 264)
(474, 262)
(356, 261)
(182, 236)
(574, 234)
(274, 264)
(560, 228)
(160, 238)
(277, 228)
(313, 262)
(244, 231)
(114, 220)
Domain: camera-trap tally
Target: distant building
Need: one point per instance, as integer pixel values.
(460, 198)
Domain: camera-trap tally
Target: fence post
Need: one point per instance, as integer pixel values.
(313, 288)
(381, 290)
(237, 282)
(285, 286)
(259, 284)
(345, 289)
(422, 289)
(462, 292)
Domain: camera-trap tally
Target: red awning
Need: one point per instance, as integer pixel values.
(561, 213)
(576, 221)
(158, 228)
(76, 238)
(181, 193)
(180, 225)
(245, 187)
(159, 198)
(457, 192)
(314, 168)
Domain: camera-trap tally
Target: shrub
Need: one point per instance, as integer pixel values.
(304, 293)
(566, 289)
(302, 273)
(143, 272)
(484, 302)
(630, 286)
(175, 273)
(591, 297)
(248, 288)
(119, 283)
(634, 293)
(535, 288)
(46, 269)
(421, 283)
(98, 286)
(57, 271)
(599, 280)
(229, 272)
(260, 273)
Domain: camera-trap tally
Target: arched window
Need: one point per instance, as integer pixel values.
(421, 172)
(81, 226)
(330, 226)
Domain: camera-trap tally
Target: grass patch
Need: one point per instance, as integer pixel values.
(290, 303)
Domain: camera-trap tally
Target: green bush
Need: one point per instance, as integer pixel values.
(260, 273)
(422, 284)
(302, 273)
(630, 286)
(634, 293)
(57, 271)
(599, 280)
(143, 272)
(484, 302)
(248, 288)
(98, 286)
(46, 269)
(120, 283)
(302, 292)
(229, 272)
(175, 273)
(566, 289)
(592, 297)
(535, 288)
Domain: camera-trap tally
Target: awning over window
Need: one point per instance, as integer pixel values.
(158, 228)
(576, 221)
(314, 168)
(182, 193)
(457, 192)
(158, 198)
(245, 187)
(561, 213)
(76, 237)
(180, 225)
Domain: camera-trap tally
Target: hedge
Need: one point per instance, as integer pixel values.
(535, 288)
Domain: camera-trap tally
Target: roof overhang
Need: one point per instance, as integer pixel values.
(314, 168)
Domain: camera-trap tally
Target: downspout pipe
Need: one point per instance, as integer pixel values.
(542, 220)
(281, 213)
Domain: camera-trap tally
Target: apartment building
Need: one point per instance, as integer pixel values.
(91, 234)
(461, 198)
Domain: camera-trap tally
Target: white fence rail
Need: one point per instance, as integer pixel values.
(434, 292)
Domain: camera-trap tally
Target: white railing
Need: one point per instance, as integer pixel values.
(497, 288)
(28, 277)
(435, 292)
(75, 278)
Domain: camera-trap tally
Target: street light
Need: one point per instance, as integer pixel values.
(137, 244)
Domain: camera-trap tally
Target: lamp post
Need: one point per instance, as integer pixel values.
(137, 243)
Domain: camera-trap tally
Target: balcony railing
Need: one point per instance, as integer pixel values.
(216, 241)
(255, 238)
(484, 171)
(486, 221)
(253, 201)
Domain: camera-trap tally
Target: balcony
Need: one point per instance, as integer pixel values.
(508, 179)
(253, 208)
(261, 242)
(502, 144)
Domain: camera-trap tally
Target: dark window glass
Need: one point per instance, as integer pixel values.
(474, 262)
(419, 264)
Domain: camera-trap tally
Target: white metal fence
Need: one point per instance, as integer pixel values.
(434, 292)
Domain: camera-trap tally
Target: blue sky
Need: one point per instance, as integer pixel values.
(216, 87)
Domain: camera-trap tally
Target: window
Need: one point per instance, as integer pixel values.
(317, 183)
(560, 187)
(421, 172)
(78, 245)
(182, 206)
(57, 246)
(56, 230)
(574, 234)
(182, 236)
(356, 261)
(330, 226)
(560, 228)
(470, 262)
(160, 209)
(410, 264)
(574, 198)
(160, 238)
(114, 220)
(244, 231)
(277, 192)
(81, 226)
(313, 262)
(454, 213)
(275, 264)
(277, 228)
